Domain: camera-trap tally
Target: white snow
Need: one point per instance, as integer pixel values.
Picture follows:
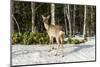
(38, 54)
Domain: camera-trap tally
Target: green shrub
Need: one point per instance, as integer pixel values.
(16, 38)
(72, 41)
(82, 41)
(69, 40)
(30, 38)
(38, 38)
(25, 38)
(75, 41)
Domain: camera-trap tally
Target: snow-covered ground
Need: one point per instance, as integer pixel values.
(38, 54)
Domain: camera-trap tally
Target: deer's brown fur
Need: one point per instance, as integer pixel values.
(54, 31)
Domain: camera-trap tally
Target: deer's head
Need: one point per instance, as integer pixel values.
(45, 19)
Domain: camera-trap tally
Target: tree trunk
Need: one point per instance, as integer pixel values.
(84, 29)
(33, 17)
(53, 14)
(69, 21)
(16, 24)
(65, 19)
(74, 20)
(12, 22)
(91, 21)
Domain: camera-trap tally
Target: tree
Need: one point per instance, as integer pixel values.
(91, 20)
(16, 24)
(71, 17)
(69, 20)
(65, 19)
(84, 29)
(33, 17)
(74, 15)
(53, 14)
(12, 22)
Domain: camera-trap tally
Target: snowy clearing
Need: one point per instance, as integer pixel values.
(38, 54)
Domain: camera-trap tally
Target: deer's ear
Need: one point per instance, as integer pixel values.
(48, 16)
(43, 17)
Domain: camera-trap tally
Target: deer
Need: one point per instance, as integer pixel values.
(54, 31)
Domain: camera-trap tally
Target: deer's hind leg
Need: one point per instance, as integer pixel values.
(61, 40)
(58, 45)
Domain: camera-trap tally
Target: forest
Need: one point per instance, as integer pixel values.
(27, 24)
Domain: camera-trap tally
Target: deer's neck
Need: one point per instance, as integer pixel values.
(46, 25)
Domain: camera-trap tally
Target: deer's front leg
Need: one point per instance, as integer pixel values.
(50, 44)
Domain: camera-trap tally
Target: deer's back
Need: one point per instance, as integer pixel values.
(55, 30)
